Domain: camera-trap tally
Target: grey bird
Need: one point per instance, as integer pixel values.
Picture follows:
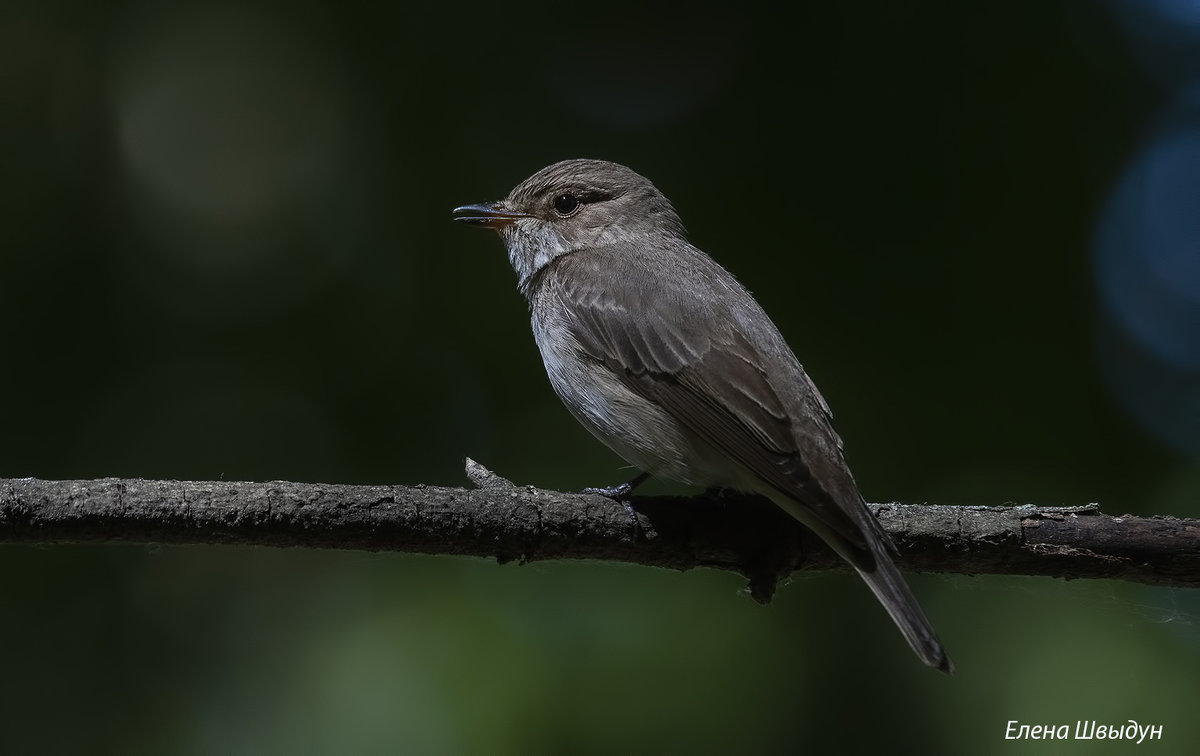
(661, 354)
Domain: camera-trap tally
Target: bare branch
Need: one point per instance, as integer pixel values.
(499, 519)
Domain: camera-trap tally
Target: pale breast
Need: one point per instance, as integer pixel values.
(639, 431)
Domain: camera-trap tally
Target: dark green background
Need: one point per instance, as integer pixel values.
(226, 253)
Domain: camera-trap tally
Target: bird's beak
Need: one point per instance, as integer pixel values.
(495, 215)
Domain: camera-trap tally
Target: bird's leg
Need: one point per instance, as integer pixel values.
(619, 493)
(622, 494)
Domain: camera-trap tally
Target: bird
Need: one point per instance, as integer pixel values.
(668, 360)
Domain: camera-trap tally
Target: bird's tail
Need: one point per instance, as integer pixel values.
(889, 586)
(882, 576)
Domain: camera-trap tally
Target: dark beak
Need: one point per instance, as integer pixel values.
(495, 215)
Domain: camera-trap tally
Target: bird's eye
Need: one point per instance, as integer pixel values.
(566, 204)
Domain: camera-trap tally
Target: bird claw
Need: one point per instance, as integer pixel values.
(619, 493)
(622, 494)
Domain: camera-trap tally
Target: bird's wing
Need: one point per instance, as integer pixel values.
(686, 355)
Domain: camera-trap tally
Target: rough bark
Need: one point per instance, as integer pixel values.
(498, 519)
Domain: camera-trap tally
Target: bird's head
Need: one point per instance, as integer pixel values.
(573, 205)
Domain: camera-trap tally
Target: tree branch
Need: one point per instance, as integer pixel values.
(745, 534)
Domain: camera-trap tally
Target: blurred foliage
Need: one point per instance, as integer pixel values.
(226, 253)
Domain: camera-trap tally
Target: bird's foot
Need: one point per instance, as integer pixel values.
(622, 494)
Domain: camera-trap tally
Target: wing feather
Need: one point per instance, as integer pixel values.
(691, 359)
